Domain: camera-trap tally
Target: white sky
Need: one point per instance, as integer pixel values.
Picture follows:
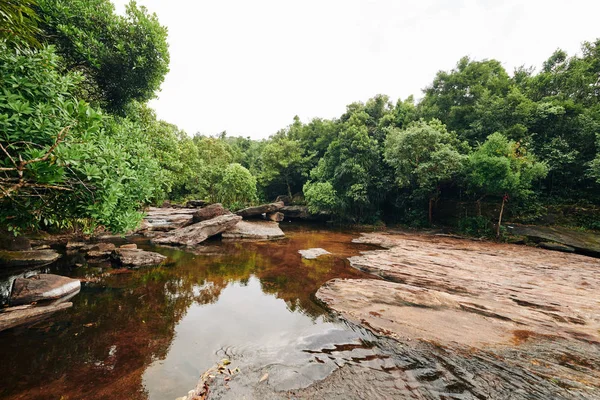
(248, 67)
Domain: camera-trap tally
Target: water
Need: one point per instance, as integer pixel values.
(150, 333)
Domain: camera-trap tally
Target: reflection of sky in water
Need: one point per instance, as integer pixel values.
(251, 328)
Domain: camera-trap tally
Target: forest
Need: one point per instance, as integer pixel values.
(81, 149)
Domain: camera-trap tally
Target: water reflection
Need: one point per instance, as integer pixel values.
(149, 333)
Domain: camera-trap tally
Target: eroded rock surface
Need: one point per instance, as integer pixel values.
(583, 242)
(42, 287)
(259, 210)
(33, 258)
(254, 230)
(134, 257)
(534, 311)
(197, 233)
(209, 212)
(166, 219)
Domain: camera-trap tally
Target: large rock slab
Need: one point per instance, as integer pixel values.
(33, 258)
(98, 250)
(259, 210)
(166, 219)
(209, 212)
(255, 230)
(19, 315)
(130, 257)
(583, 242)
(197, 233)
(42, 287)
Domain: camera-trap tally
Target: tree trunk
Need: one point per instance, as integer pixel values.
(500, 218)
(430, 211)
(287, 182)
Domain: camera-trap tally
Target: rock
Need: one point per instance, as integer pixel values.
(197, 233)
(19, 315)
(42, 287)
(128, 246)
(10, 242)
(195, 203)
(136, 257)
(275, 216)
(311, 254)
(165, 219)
(556, 247)
(34, 258)
(98, 250)
(255, 230)
(301, 212)
(583, 242)
(284, 198)
(209, 212)
(259, 210)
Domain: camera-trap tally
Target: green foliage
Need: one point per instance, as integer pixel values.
(283, 164)
(478, 226)
(321, 196)
(237, 188)
(122, 58)
(18, 22)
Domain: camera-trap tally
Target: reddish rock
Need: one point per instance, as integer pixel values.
(136, 257)
(42, 287)
(209, 212)
(259, 210)
(197, 233)
(129, 246)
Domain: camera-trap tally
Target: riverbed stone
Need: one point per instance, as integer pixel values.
(557, 247)
(129, 246)
(311, 254)
(98, 250)
(275, 216)
(136, 257)
(42, 287)
(257, 211)
(197, 233)
(254, 230)
(209, 212)
(166, 219)
(14, 316)
(29, 258)
(583, 242)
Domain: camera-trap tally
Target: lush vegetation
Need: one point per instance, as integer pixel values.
(81, 149)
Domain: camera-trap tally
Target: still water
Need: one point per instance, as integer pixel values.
(150, 333)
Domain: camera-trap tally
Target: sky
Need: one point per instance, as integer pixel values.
(248, 67)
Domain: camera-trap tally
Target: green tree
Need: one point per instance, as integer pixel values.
(283, 164)
(122, 58)
(501, 167)
(425, 156)
(238, 187)
(321, 196)
(19, 22)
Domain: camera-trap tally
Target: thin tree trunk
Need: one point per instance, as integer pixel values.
(500, 218)
(430, 211)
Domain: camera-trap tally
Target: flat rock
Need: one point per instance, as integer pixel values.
(166, 219)
(42, 287)
(259, 210)
(33, 258)
(255, 230)
(556, 247)
(136, 257)
(311, 254)
(129, 246)
(197, 233)
(583, 242)
(98, 250)
(209, 212)
(19, 315)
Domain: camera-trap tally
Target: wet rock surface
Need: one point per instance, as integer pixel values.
(311, 254)
(506, 321)
(134, 257)
(259, 210)
(275, 216)
(42, 287)
(254, 230)
(583, 242)
(209, 212)
(28, 258)
(197, 233)
(19, 315)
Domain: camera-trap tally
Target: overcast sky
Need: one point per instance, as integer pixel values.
(248, 67)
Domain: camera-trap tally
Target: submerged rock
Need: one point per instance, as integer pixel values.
(136, 257)
(255, 230)
(197, 233)
(209, 212)
(311, 254)
(259, 210)
(42, 287)
(34, 258)
(19, 315)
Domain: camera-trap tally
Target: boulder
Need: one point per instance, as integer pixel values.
(136, 257)
(255, 230)
(311, 254)
(129, 246)
(275, 216)
(166, 219)
(284, 198)
(195, 203)
(209, 212)
(34, 258)
(98, 250)
(197, 233)
(42, 287)
(19, 315)
(259, 210)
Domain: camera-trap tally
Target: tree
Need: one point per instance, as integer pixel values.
(321, 196)
(19, 22)
(424, 156)
(501, 167)
(238, 187)
(122, 58)
(283, 164)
